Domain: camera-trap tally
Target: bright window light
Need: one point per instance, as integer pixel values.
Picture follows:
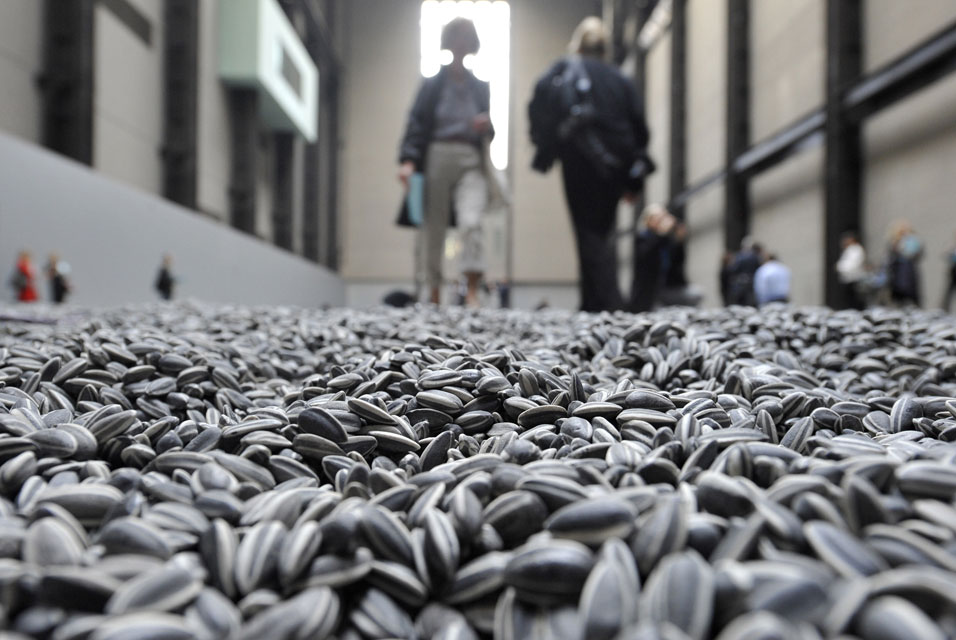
(493, 23)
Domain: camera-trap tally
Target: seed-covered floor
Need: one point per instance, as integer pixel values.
(216, 472)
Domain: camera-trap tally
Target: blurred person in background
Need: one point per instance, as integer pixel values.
(676, 290)
(23, 279)
(165, 282)
(742, 271)
(58, 275)
(726, 275)
(447, 127)
(951, 287)
(771, 281)
(905, 252)
(851, 270)
(650, 256)
(587, 114)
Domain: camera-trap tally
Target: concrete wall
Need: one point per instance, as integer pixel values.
(128, 98)
(891, 26)
(113, 236)
(20, 62)
(706, 86)
(788, 221)
(706, 139)
(911, 147)
(657, 105)
(128, 105)
(788, 79)
(382, 49)
(213, 143)
(788, 40)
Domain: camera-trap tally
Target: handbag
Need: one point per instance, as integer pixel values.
(412, 211)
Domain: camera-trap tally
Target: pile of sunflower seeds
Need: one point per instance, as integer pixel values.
(226, 472)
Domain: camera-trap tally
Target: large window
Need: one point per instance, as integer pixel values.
(493, 21)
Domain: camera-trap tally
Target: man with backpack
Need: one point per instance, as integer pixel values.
(587, 114)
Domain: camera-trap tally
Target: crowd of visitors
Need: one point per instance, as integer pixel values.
(23, 279)
(24, 276)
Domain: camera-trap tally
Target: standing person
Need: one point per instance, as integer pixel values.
(650, 257)
(905, 251)
(676, 289)
(587, 114)
(951, 289)
(23, 279)
(772, 281)
(57, 272)
(447, 127)
(726, 276)
(851, 269)
(164, 279)
(742, 271)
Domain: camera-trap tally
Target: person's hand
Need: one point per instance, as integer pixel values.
(481, 123)
(405, 171)
(667, 223)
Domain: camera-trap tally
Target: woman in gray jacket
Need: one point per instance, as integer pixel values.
(446, 129)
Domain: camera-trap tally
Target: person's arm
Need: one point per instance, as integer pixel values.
(642, 165)
(482, 122)
(760, 286)
(418, 130)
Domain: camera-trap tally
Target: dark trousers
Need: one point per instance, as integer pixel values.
(852, 297)
(593, 204)
(950, 294)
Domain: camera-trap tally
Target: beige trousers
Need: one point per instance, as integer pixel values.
(453, 175)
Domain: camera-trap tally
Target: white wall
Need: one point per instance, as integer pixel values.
(113, 236)
(128, 98)
(20, 62)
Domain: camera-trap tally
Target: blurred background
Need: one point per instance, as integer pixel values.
(255, 141)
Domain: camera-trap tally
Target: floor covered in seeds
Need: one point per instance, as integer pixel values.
(226, 472)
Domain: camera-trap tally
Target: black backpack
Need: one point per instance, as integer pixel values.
(563, 115)
(579, 127)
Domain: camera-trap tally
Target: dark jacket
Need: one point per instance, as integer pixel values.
(421, 119)
(618, 117)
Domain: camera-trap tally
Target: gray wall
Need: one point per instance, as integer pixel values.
(910, 149)
(113, 236)
(20, 37)
(213, 144)
(657, 105)
(381, 49)
(128, 105)
(128, 117)
(706, 138)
